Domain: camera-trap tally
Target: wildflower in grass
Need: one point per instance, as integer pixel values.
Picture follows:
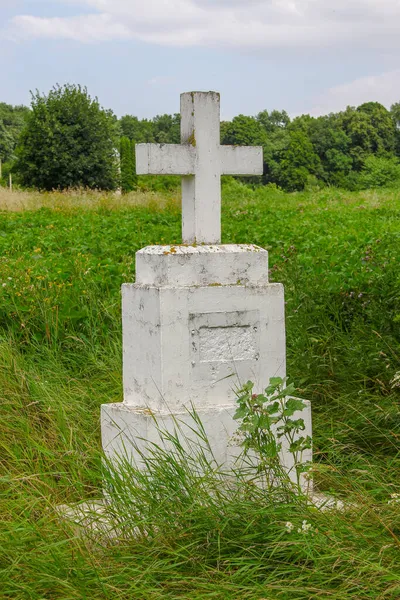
(396, 380)
(305, 528)
(289, 527)
(394, 499)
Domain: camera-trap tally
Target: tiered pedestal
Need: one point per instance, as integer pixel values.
(199, 322)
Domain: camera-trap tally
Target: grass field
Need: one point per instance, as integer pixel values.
(63, 258)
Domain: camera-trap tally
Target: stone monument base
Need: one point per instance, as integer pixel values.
(199, 323)
(129, 435)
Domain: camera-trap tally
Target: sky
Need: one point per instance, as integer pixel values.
(137, 56)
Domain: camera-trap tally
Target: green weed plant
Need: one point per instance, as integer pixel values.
(265, 422)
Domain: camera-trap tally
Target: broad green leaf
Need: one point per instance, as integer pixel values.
(272, 409)
(240, 413)
(293, 405)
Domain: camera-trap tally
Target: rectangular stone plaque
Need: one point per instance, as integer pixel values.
(221, 344)
(224, 337)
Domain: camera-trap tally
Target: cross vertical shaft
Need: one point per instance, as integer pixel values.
(201, 192)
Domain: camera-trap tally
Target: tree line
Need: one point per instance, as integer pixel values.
(66, 139)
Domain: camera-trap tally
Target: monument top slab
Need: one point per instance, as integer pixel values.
(201, 160)
(202, 249)
(203, 265)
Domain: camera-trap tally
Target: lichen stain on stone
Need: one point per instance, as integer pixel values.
(192, 139)
(172, 250)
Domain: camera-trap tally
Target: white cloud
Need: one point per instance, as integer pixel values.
(384, 88)
(87, 28)
(234, 23)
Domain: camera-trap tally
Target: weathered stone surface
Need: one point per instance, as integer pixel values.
(201, 160)
(185, 266)
(202, 319)
(128, 433)
(197, 344)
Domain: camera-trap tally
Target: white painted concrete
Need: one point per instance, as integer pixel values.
(201, 320)
(201, 160)
(197, 344)
(165, 159)
(128, 434)
(99, 521)
(241, 160)
(187, 266)
(192, 335)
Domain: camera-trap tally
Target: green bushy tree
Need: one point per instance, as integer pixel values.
(370, 129)
(246, 131)
(128, 166)
(6, 142)
(12, 121)
(395, 114)
(379, 171)
(276, 119)
(163, 129)
(275, 125)
(69, 141)
(6, 169)
(298, 162)
(331, 144)
(383, 140)
(167, 129)
(140, 130)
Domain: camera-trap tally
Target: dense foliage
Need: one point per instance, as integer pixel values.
(127, 165)
(61, 269)
(163, 129)
(68, 141)
(354, 149)
(12, 121)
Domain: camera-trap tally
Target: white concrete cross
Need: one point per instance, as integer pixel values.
(201, 160)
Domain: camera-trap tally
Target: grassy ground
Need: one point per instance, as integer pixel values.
(62, 261)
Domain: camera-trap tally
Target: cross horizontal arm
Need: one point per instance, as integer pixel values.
(241, 160)
(165, 159)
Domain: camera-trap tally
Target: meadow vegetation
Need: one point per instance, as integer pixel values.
(63, 258)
